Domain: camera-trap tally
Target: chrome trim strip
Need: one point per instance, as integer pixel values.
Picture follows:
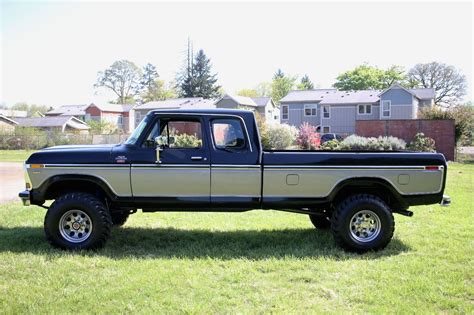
(86, 165)
(357, 167)
(234, 166)
(158, 166)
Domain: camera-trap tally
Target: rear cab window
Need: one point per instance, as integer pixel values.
(228, 134)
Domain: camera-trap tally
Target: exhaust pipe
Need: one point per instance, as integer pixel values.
(404, 212)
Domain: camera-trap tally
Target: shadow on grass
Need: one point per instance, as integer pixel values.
(147, 243)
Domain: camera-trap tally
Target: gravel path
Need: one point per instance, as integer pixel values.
(12, 181)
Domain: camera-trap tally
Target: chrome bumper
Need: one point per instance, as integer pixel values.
(446, 201)
(25, 197)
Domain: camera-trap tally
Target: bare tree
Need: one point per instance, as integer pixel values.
(123, 78)
(447, 81)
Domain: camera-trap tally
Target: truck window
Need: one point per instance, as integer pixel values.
(228, 134)
(178, 134)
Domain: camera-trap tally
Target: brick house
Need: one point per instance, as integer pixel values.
(120, 115)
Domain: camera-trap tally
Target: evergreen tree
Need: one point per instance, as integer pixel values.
(278, 74)
(196, 80)
(149, 83)
(306, 83)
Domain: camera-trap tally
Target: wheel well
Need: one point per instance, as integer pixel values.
(62, 187)
(376, 187)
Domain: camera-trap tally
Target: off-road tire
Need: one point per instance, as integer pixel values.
(101, 221)
(119, 218)
(341, 225)
(320, 222)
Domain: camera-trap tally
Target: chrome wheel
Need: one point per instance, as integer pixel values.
(365, 226)
(75, 226)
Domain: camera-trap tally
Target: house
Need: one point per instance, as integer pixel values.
(78, 111)
(142, 110)
(117, 114)
(10, 113)
(7, 125)
(55, 124)
(336, 111)
(262, 105)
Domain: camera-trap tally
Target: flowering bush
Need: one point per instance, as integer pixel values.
(422, 143)
(277, 136)
(331, 145)
(358, 143)
(308, 138)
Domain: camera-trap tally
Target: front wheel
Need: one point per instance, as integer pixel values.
(77, 221)
(362, 223)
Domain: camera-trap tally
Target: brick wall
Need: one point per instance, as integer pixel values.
(442, 131)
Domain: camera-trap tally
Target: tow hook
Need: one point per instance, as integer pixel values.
(446, 201)
(404, 212)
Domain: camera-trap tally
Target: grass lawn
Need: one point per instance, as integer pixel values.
(254, 262)
(14, 155)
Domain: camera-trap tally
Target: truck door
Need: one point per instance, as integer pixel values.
(181, 177)
(235, 170)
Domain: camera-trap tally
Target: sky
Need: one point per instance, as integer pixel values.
(51, 51)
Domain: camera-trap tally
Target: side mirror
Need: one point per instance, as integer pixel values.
(171, 140)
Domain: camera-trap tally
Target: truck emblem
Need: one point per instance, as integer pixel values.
(121, 159)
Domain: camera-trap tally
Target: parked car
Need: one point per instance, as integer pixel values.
(330, 136)
(212, 160)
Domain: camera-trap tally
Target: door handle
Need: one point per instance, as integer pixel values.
(196, 158)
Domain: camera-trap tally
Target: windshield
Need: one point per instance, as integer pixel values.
(138, 131)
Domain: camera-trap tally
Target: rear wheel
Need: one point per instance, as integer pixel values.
(362, 223)
(77, 221)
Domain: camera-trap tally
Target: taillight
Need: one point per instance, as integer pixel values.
(432, 168)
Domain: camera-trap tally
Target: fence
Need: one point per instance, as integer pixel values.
(32, 142)
(442, 131)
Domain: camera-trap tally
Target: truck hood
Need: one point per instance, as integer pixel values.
(73, 154)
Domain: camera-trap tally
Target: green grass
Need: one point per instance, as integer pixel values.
(15, 155)
(254, 262)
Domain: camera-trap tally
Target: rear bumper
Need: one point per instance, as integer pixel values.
(25, 197)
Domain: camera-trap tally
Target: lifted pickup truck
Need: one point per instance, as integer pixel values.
(212, 160)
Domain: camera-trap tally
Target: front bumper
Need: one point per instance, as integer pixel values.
(25, 197)
(446, 201)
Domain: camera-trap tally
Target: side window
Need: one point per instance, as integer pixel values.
(228, 134)
(177, 134)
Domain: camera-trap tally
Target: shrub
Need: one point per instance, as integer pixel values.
(422, 143)
(358, 143)
(186, 141)
(308, 138)
(331, 145)
(277, 136)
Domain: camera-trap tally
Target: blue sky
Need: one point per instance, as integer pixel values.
(51, 51)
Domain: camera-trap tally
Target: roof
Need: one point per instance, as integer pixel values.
(261, 101)
(424, 94)
(69, 110)
(189, 102)
(117, 108)
(306, 95)
(52, 121)
(214, 111)
(13, 113)
(241, 100)
(336, 97)
(8, 120)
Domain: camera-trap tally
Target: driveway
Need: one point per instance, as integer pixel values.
(12, 181)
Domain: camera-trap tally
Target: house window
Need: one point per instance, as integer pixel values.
(284, 112)
(326, 111)
(326, 129)
(365, 109)
(386, 108)
(310, 109)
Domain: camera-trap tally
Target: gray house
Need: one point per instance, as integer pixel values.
(336, 111)
(262, 105)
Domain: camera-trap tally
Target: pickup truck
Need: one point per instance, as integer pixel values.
(212, 160)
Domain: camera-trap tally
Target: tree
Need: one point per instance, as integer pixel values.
(248, 92)
(197, 80)
(281, 85)
(365, 77)
(31, 110)
(148, 83)
(305, 83)
(264, 89)
(122, 78)
(447, 81)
